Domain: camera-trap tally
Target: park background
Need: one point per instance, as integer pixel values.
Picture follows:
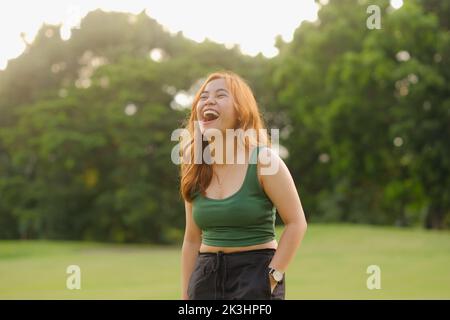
(86, 176)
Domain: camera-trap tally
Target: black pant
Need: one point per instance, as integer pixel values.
(237, 275)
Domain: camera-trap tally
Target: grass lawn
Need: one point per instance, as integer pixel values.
(331, 264)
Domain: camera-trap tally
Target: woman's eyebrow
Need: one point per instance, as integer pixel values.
(204, 91)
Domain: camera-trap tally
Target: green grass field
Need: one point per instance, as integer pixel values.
(331, 264)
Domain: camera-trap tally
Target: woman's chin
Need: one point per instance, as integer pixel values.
(211, 126)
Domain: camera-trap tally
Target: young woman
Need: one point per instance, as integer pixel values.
(229, 249)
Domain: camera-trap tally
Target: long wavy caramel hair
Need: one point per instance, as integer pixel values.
(197, 177)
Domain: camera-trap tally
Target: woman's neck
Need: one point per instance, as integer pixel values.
(229, 153)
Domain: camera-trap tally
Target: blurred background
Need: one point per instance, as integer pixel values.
(90, 92)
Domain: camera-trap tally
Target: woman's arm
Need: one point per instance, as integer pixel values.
(189, 251)
(281, 190)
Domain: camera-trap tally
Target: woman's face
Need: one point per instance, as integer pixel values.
(215, 108)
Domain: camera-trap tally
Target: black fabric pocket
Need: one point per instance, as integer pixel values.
(268, 284)
(253, 279)
(279, 291)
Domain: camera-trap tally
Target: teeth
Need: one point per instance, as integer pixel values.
(210, 112)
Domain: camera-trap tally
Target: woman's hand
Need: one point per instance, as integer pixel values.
(273, 284)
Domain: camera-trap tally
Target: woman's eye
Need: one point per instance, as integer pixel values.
(221, 95)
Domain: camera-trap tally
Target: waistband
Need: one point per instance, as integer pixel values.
(238, 253)
(220, 265)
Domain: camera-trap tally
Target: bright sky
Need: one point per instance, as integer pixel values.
(253, 24)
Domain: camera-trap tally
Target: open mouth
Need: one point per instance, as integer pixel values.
(209, 115)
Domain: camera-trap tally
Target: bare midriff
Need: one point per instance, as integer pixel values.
(268, 245)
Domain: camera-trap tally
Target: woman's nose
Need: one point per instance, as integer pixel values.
(210, 100)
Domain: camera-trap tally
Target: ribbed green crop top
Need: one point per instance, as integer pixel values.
(245, 218)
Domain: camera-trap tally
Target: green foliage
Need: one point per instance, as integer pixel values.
(370, 114)
(85, 124)
(85, 128)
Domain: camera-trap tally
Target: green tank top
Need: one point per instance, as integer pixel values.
(245, 218)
